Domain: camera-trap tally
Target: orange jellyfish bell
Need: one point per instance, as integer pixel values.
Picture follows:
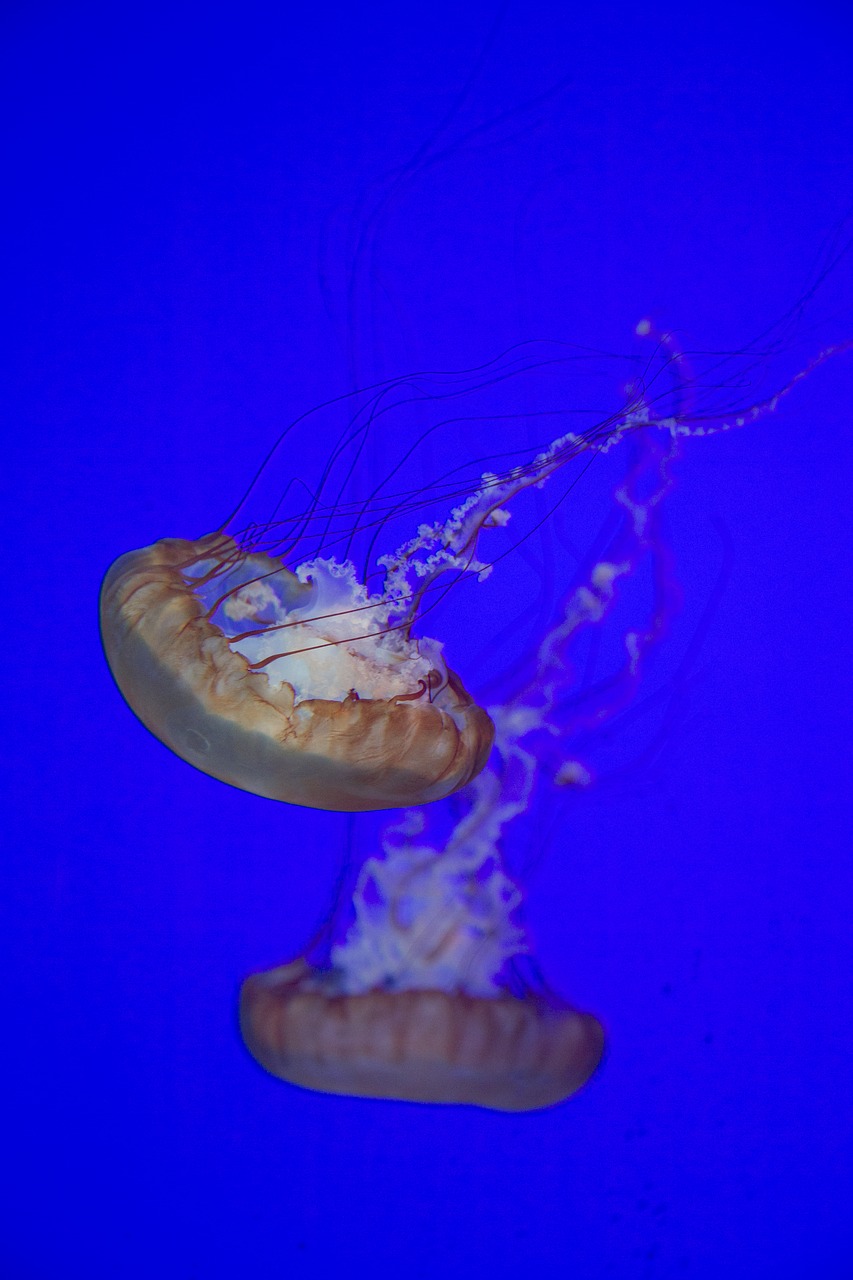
(499, 1052)
(346, 719)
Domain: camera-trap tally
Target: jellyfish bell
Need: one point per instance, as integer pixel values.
(499, 1052)
(344, 713)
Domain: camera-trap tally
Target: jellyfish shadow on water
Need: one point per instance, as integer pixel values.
(279, 654)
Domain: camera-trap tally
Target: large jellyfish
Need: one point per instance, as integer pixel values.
(262, 656)
(352, 715)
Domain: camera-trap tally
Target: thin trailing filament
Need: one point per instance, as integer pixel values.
(447, 917)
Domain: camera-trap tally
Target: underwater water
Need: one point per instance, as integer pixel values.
(218, 221)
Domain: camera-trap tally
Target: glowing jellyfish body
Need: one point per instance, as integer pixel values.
(371, 724)
(500, 1052)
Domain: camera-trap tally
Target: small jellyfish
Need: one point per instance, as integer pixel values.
(500, 1052)
(423, 999)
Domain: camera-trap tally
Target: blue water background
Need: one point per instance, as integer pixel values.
(217, 218)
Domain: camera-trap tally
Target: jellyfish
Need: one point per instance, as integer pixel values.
(263, 657)
(426, 997)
